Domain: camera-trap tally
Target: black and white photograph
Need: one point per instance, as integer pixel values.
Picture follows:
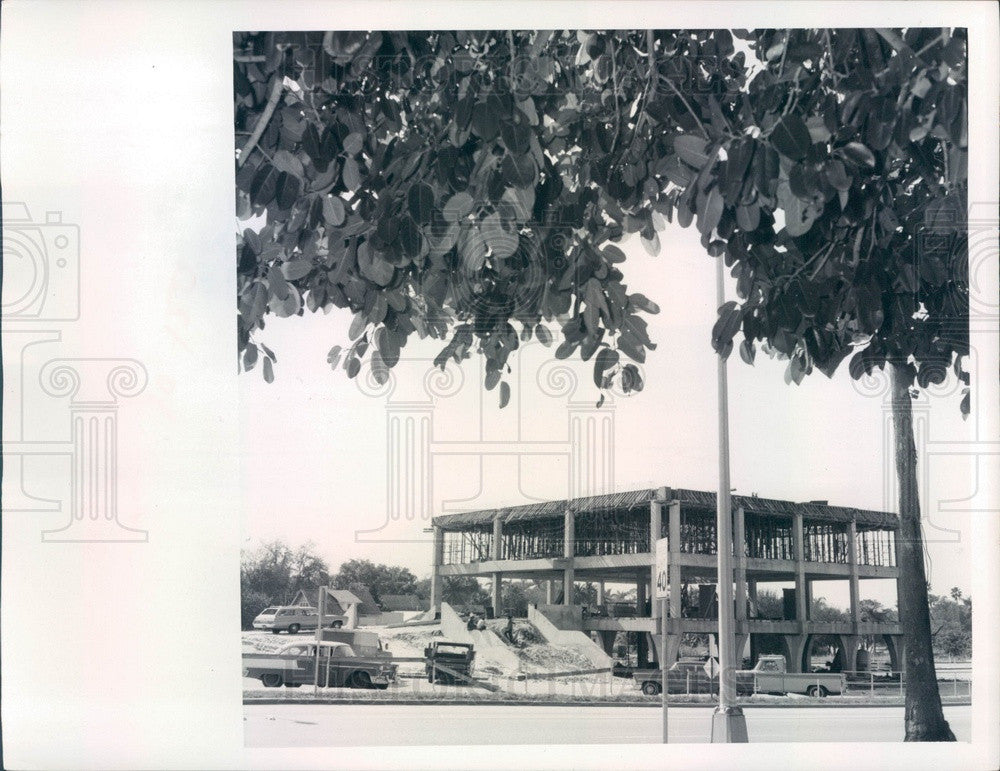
(608, 379)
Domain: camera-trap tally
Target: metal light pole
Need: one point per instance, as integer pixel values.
(728, 721)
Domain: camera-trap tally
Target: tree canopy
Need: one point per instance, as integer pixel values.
(473, 187)
(377, 578)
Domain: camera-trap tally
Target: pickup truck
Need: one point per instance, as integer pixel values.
(458, 658)
(339, 667)
(769, 676)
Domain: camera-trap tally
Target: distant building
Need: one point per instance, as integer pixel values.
(610, 538)
(368, 605)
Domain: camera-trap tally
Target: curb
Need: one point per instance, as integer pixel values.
(530, 703)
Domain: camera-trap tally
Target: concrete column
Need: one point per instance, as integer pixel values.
(752, 595)
(795, 648)
(436, 559)
(655, 524)
(640, 596)
(674, 569)
(740, 562)
(550, 592)
(801, 587)
(497, 537)
(569, 538)
(497, 595)
(897, 651)
(852, 554)
(849, 644)
(600, 592)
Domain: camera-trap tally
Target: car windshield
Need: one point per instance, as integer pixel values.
(457, 649)
(268, 611)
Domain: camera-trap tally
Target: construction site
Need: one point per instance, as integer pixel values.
(610, 540)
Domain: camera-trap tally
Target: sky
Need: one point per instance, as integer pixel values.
(318, 450)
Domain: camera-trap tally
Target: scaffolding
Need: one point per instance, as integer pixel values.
(876, 546)
(825, 542)
(532, 539)
(464, 546)
(615, 531)
(697, 531)
(768, 538)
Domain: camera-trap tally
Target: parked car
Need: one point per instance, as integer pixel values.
(339, 667)
(682, 677)
(292, 618)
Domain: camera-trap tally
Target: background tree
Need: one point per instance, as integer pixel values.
(951, 624)
(464, 591)
(274, 573)
(453, 185)
(378, 579)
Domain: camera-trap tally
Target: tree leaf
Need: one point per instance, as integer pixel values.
(504, 394)
(354, 142)
(643, 303)
(859, 154)
(606, 359)
(790, 137)
(458, 207)
(268, 371)
(351, 175)
(333, 210)
(692, 149)
(293, 270)
(420, 202)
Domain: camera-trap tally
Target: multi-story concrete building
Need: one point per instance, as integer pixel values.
(611, 538)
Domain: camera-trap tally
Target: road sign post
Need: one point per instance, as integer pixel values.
(728, 721)
(662, 590)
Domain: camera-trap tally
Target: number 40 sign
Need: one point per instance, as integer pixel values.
(662, 562)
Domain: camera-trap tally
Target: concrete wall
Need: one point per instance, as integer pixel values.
(562, 616)
(561, 624)
(489, 646)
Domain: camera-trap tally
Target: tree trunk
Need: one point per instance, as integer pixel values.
(924, 721)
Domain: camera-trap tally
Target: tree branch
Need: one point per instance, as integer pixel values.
(892, 39)
(262, 121)
(614, 86)
(687, 106)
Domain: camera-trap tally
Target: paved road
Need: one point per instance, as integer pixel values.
(308, 725)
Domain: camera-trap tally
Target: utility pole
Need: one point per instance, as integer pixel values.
(728, 722)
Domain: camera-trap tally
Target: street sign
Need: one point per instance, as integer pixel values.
(662, 587)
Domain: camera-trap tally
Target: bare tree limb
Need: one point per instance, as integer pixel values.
(262, 121)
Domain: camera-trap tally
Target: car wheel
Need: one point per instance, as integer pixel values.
(294, 629)
(271, 680)
(361, 680)
(275, 631)
(816, 691)
(337, 624)
(650, 688)
(292, 685)
(381, 686)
